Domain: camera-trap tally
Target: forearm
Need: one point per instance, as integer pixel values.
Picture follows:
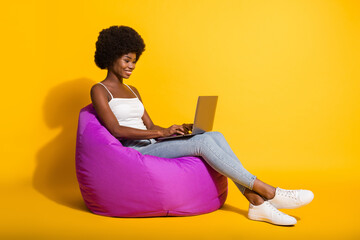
(156, 127)
(133, 133)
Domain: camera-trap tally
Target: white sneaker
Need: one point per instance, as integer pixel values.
(268, 213)
(291, 198)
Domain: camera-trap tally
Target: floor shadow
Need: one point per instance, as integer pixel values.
(55, 175)
(231, 208)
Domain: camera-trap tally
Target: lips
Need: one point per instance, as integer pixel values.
(128, 72)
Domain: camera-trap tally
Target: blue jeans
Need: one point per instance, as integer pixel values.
(211, 146)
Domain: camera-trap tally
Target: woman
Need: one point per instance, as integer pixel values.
(119, 108)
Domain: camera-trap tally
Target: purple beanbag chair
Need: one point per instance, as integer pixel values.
(119, 181)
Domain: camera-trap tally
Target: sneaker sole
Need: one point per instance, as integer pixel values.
(264, 219)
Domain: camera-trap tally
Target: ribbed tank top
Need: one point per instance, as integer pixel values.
(128, 111)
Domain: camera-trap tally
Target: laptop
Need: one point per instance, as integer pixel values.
(204, 117)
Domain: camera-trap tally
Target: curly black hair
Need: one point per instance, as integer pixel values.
(114, 42)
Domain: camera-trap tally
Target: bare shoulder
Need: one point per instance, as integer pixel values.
(135, 90)
(98, 91)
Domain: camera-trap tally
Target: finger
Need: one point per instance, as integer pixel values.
(189, 127)
(185, 128)
(175, 128)
(180, 132)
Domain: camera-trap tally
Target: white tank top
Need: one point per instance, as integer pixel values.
(128, 111)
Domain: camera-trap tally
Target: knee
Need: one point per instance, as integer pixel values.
(204, 136)
(203, 139)
(215, 134)
(206, 140)
(209, 137)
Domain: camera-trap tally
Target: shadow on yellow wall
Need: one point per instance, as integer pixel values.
(55, 175)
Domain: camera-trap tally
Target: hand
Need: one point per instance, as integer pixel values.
(187, 127)
(174, 129)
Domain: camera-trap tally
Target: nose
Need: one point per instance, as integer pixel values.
(131, 65)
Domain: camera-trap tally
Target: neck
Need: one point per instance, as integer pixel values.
(112, 77)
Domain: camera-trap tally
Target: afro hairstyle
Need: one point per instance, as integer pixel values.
(114, 42)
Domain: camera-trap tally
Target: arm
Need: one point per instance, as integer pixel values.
(107, 118)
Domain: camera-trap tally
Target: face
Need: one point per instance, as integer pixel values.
(124, 65)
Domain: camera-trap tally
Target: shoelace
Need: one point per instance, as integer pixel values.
(288, 193)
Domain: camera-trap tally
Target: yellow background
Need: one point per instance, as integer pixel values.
(287, 75)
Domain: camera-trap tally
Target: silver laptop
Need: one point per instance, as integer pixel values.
(204, 117)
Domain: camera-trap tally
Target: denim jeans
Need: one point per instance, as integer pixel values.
(211, 146)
